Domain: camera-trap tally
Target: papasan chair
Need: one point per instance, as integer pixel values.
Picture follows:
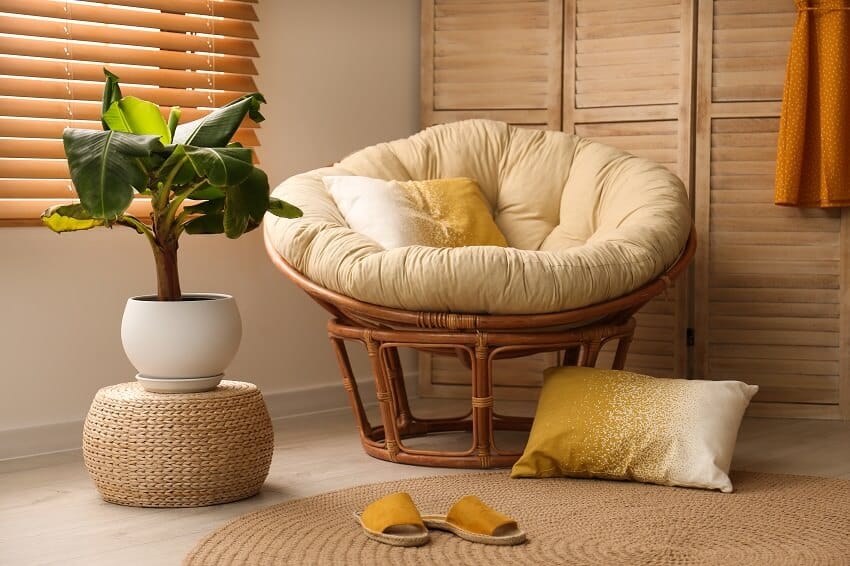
(593, 232)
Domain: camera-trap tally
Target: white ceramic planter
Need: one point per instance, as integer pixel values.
(181, 346)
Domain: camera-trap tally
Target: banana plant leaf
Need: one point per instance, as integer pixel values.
(222, 166)
(69, 218)
(136, 116)
(206, 224)
(206, 207)
(245, 204)
(284, 209)
(173, 118)
(207, 192)
(216, 128)
(111, 93)
(106, 168)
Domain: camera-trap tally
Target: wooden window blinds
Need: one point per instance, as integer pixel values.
(196, 54)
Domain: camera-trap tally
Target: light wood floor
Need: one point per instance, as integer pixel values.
(50, 512)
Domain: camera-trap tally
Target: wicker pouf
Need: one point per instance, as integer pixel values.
(178, 450)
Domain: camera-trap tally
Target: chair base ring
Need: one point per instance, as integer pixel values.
(387, 441)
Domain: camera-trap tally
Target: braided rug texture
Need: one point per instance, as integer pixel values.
(770, 520)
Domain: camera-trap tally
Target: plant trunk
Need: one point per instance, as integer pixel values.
(167, 278)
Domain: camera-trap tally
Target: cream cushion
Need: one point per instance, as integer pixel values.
(586, 223)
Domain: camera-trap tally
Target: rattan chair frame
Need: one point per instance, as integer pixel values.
(477, 340)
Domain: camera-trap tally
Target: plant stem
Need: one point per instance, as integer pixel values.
(167, 277)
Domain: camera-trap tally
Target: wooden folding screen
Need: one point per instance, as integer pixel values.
(695, 86)
(772, 283)
(627, 71)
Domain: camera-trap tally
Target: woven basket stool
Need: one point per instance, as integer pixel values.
(178, 450)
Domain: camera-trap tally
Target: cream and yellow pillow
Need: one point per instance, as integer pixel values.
(441, 213)
(621, 425)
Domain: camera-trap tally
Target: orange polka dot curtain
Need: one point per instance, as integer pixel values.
(813, 154)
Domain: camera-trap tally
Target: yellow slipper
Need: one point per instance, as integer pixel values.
(471, 519)
(394, 520)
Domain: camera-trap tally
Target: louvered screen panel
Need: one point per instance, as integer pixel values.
(492, 59)
(627, 53)
(652, 350)
(774, 274)
(749, 48)
(653, 140)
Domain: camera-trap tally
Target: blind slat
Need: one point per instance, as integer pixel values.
(220, 8)
(94, 92)
(24, 128)
(58, 69)
(75, 110)
(52, 129)
(196, 54)
(34, 168)
(108, 14)
(46, 148)
(31, 148)
(36, 188)
(125, 36)
(80, 51)
(26, 212)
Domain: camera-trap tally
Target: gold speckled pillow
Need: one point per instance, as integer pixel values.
(621, 425)
(440, 213)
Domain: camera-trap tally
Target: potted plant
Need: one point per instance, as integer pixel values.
(199, 182)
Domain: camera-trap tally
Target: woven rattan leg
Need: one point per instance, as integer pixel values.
(482, 401)
(622, 351)
(350, 385)
(590, 353)
(398, 389)
(383, 392)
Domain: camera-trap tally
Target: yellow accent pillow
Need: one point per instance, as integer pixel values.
(621, 425)
(440, 213)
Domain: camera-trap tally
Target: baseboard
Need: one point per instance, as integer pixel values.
(53, 438)
(43, 439)
(322, 398)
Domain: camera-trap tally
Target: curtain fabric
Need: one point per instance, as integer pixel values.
(813, 153)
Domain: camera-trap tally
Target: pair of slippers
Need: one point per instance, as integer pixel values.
(395, 520)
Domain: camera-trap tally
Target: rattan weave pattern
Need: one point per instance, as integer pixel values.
(178, 450)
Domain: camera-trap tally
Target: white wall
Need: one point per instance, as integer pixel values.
(338, 75)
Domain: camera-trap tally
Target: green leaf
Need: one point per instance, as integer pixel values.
(136, 116)
(206, 224)
(222, 166)
(178, 158)
(246, 204)
(216, 128)
(111, 93)
(173, 118)
(206, 207)
(105, 168)
(69, 218)
(284, 209)
(207, 192)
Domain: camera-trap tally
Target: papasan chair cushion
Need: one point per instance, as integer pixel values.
(585, 223)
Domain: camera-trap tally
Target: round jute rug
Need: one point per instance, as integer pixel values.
(770, 520)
